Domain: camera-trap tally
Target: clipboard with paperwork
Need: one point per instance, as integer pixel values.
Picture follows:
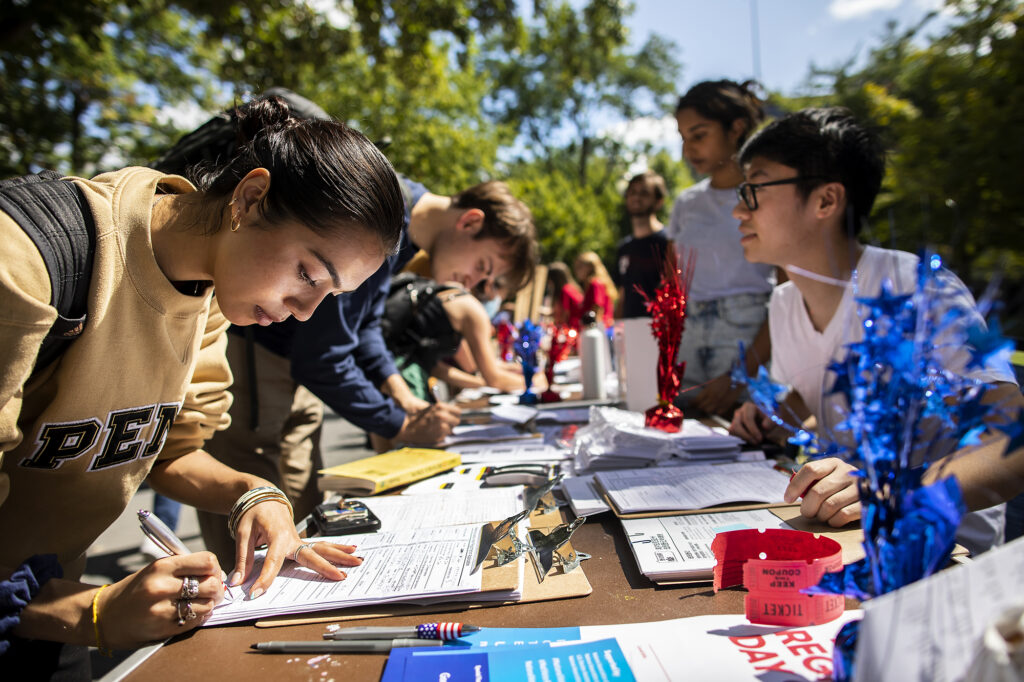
(676, 549)
(495, 581)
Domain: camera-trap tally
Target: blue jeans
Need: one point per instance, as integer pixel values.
(167, 510)
(711, 336)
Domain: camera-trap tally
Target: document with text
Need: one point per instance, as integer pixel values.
(679, 547)
(430, 510)
(692, 487)
(397, 566)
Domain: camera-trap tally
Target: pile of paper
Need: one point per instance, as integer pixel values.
(435, 508)
(618, 439)
(694, 487)
(405, 565)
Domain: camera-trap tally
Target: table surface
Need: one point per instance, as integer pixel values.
(621, 594)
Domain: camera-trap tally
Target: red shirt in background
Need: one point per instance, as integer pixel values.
(571, 301)
(597, 296)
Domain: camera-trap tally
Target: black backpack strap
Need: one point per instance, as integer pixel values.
(55, 215)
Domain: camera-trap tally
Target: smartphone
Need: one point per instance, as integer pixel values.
(344, 518)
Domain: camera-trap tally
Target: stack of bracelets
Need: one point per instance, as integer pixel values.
(250, 499)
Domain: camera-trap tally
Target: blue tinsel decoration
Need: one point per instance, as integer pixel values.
(526, 344)
(903, 411)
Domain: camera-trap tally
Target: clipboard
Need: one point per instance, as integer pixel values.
(850, 539)
(556, 585)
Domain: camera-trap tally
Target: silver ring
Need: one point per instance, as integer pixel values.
(189, 587)
(185, 611)
(302, 546)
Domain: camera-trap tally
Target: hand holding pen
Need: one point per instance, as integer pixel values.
(164, 538)
(163, 599)
(828, 488)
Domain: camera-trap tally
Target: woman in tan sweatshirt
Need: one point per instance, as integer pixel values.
(304, 209)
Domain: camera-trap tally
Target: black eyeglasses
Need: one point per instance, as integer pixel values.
(747, 191)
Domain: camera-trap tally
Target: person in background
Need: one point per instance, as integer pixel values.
(425, 325)
(640, 257)
(728, 296)
(811, 180)
(565, 295)
(599, 292)
(302, 210)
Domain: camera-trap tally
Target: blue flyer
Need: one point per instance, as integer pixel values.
(492, 637)
(600, 660)
(454, 664)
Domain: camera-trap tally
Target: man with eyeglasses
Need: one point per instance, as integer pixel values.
(811, 180)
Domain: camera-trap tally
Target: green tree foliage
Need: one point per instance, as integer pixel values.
(80, 79)
(449, 83)
(76, 84)
(570, 218)
(560, 80)
(950, 112)
(398, 71)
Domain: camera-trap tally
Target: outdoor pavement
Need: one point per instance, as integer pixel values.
(115, 554)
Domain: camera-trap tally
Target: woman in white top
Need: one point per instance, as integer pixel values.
(728, 297)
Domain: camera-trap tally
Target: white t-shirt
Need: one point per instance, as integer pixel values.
(801, 354)
(702, 221)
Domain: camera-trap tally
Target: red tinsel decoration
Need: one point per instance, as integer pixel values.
(563, 338)
(506, 333)
(668, 315)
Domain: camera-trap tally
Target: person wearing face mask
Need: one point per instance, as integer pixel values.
(728, 296)
(303, 209)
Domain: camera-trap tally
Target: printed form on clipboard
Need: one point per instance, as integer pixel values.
(678, 548)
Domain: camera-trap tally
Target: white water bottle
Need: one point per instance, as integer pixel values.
(594, 355)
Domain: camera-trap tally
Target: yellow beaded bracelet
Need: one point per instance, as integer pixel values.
(96, 622)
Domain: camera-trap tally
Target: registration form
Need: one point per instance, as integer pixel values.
(397, 566)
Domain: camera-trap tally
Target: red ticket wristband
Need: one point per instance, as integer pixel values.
(792, 609)
(774, 565)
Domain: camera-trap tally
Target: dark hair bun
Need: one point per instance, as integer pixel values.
(261, 115)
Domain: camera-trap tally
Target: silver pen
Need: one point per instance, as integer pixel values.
(164, 538)
(367, 646)
(157, 531)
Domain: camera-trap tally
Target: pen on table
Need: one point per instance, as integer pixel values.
(164, 538)
(353, 646)
(426, 631)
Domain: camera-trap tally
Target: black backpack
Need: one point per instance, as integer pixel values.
(54, 214)
(414, 325)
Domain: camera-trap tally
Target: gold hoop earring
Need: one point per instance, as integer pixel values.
(236, 223)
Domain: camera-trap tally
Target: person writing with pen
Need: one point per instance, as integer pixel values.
(302, 210)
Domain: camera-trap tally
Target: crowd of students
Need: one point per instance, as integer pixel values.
(209, 349)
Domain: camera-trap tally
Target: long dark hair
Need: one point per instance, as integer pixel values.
(726, 101)
(323, 174)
